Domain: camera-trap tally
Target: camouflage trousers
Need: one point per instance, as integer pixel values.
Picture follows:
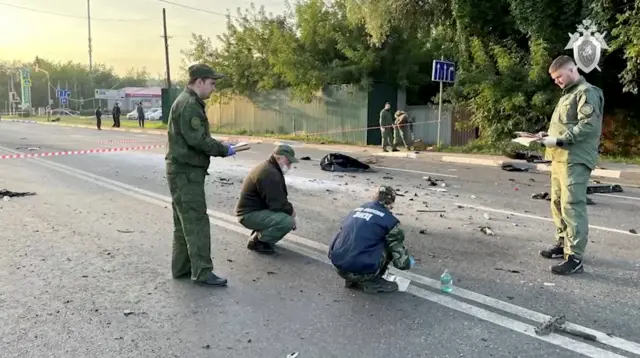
(402, 135)
(387, 138)
(363, 278)
(271, 226)
(191, 228)
(569, 206)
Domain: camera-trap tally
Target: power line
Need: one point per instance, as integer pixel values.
(72, 16)
(194, 8)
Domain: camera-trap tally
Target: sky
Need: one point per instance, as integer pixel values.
(125, 33)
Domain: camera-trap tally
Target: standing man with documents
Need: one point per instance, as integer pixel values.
(572, 145)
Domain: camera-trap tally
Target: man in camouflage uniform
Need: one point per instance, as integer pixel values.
(189, 149)
(387, 128)
(572, 146)
(370, 238)
(403, 129)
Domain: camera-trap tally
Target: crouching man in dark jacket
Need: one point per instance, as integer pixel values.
(369, 239)
(263, 205)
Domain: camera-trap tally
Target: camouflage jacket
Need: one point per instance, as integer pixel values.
(189, 142)
(577, 122)
(395, 246)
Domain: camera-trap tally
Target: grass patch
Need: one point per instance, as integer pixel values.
(106, 121)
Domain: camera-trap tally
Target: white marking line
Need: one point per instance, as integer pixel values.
(417, 172)
(495, 318)
(618, 196)
(617, 231)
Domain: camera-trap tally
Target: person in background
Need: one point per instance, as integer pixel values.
(116, 115)
(98, 118)
(387, 128)
(370, 238)
(140, 110)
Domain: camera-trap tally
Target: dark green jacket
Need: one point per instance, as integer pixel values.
(577, 121)
(189, 141)
(264, 188)
(386, 118)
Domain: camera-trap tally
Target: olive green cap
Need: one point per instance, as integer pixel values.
(201, 70)
(286, 151)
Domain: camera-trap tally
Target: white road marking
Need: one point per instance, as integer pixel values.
(507, 212)
(618, 196)
(417, 172)
(308, 248)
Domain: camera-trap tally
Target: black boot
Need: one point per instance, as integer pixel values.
(213, 280)
(380, 285)
(258, 246)
(553, 252)
(569, 266)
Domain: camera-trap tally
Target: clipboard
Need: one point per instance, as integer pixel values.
(240, 147)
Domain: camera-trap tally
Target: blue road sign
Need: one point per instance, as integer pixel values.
(443, 71)
(63, 100)
(63, 93)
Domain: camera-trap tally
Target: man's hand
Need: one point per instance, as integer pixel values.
(550, 142)
(231, 151)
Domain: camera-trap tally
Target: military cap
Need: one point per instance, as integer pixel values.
(201, 70)
(286, 151)
(385, 195)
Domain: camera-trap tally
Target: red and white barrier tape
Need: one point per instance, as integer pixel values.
(119, 141)
(78, 152)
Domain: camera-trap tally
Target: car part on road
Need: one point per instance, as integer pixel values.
(603, 188)
(14, 194)
(559, 323)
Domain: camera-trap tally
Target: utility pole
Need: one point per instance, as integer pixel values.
(89, 23)
(166, 46)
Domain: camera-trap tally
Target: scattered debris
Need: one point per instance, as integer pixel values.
(604, 188)
(541, 196)
(271, 273)
(126, 231)
(549, 284)
(487, 231)
(514, 168)
(486, 216)
(432, 182)
(224, 181)
(472, 196)
(633, 231)
(439, 190)
(206, 346)
(14, 194)
(128, 313)
(430, 211)
(507, 270)
(292, 355)
(336, 162)
(387, 177)
(423, 232)
(559, 323)
(305, 158)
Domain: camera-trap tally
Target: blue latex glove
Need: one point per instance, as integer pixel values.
(412, 262)
(231, 151)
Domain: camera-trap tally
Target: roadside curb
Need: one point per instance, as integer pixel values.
(542, 168)
(458, 159)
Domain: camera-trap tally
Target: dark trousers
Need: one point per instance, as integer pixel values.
(98, 121)
(117, 121)
(141, 122)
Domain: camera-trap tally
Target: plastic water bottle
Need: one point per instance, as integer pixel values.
(446, 282)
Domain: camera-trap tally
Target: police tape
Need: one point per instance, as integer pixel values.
(79, 152)
(119, 141)
(392, 126)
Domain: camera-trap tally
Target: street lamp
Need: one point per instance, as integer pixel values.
(38, 69)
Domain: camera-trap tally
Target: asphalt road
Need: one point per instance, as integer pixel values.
(95, 241)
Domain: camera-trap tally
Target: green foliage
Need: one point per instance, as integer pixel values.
(503, 49)
(74, 76)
